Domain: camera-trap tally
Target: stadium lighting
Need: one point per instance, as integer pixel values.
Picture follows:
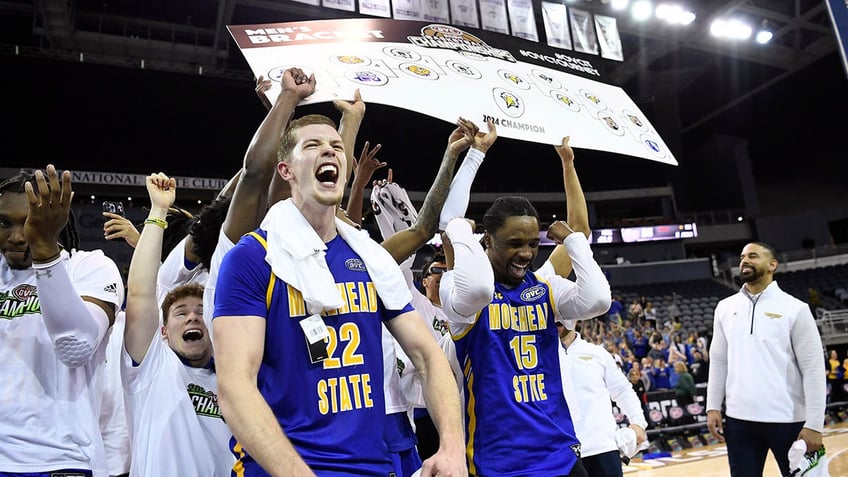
(674, 14)
(731, 29)
(619, 4)
(642, 10)
(765, 34)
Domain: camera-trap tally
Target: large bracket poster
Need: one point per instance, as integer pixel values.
(531, 92)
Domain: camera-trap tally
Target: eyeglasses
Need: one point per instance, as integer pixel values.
(435, 270)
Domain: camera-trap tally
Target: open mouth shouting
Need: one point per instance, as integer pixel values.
(517, 270)
(327, 174)
(193, 335)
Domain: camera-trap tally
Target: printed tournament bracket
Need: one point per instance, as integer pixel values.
(530, 91)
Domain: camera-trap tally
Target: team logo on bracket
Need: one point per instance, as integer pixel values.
(511, 104)
(566, 101)
(401, 53)
(419, 71)
(513, 79)
(593, 99)
(367, 77)
(465, 70)
(351, 60)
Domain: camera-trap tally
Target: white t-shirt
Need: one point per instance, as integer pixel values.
(224, 245)
(48, 411)
(175, 422)
(174, 273)
(113, 413)
(437, 323)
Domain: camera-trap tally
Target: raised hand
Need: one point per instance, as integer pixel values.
(367, 163)
(483, 141)
(162, 190)
(119, 227)
(296, 81)
(49, 206)
(558, 231)
(566, 154)
(462, 137)
(355, 107)
(262, 87)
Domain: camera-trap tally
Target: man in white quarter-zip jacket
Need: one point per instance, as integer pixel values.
(595, 379)
(766, 364)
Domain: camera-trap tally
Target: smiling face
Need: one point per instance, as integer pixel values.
(13, 214)
(315, 165)
(512, 248)
(756, 265)
(186, 331)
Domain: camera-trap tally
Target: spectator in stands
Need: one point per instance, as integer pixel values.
(640, 344)
(57, 304)
(684, 390)
(765, 345)
(649, 312)
(638, 384)
(814, 300)
(835, 377)
(699, 367)
(677, 349)
(635, 313)
(616, 311)
(660, 374)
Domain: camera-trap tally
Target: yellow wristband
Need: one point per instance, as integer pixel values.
(154, 221)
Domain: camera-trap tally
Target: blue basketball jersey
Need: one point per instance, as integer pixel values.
(332, 411)
(517, 420)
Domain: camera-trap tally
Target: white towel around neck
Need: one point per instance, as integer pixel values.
(297, 256)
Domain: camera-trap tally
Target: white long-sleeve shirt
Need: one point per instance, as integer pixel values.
(465, 290)
(766, 359)
(595, 380)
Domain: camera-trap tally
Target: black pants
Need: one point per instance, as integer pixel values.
(607, 464)
(427, 435)
(748, 444)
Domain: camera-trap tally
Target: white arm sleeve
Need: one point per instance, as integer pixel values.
(460, 189)
(587, 297)
(469, 287)
(75, 326)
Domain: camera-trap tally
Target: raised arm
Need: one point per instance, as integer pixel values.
(577, 211)
(404, 243)
(75, 322)
(142, 317)
(365, 168)
(352, 114)
(250, 197)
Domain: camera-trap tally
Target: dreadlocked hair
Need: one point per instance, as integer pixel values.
(69, 235)
(179, 221)
(206, 227)
(505, 207)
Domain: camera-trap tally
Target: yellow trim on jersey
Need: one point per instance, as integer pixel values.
(238, 467)
(554, 309)
(269, 292)
(472, 418)
(457, 337)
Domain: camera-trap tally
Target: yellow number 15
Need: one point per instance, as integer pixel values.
(524, 349)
